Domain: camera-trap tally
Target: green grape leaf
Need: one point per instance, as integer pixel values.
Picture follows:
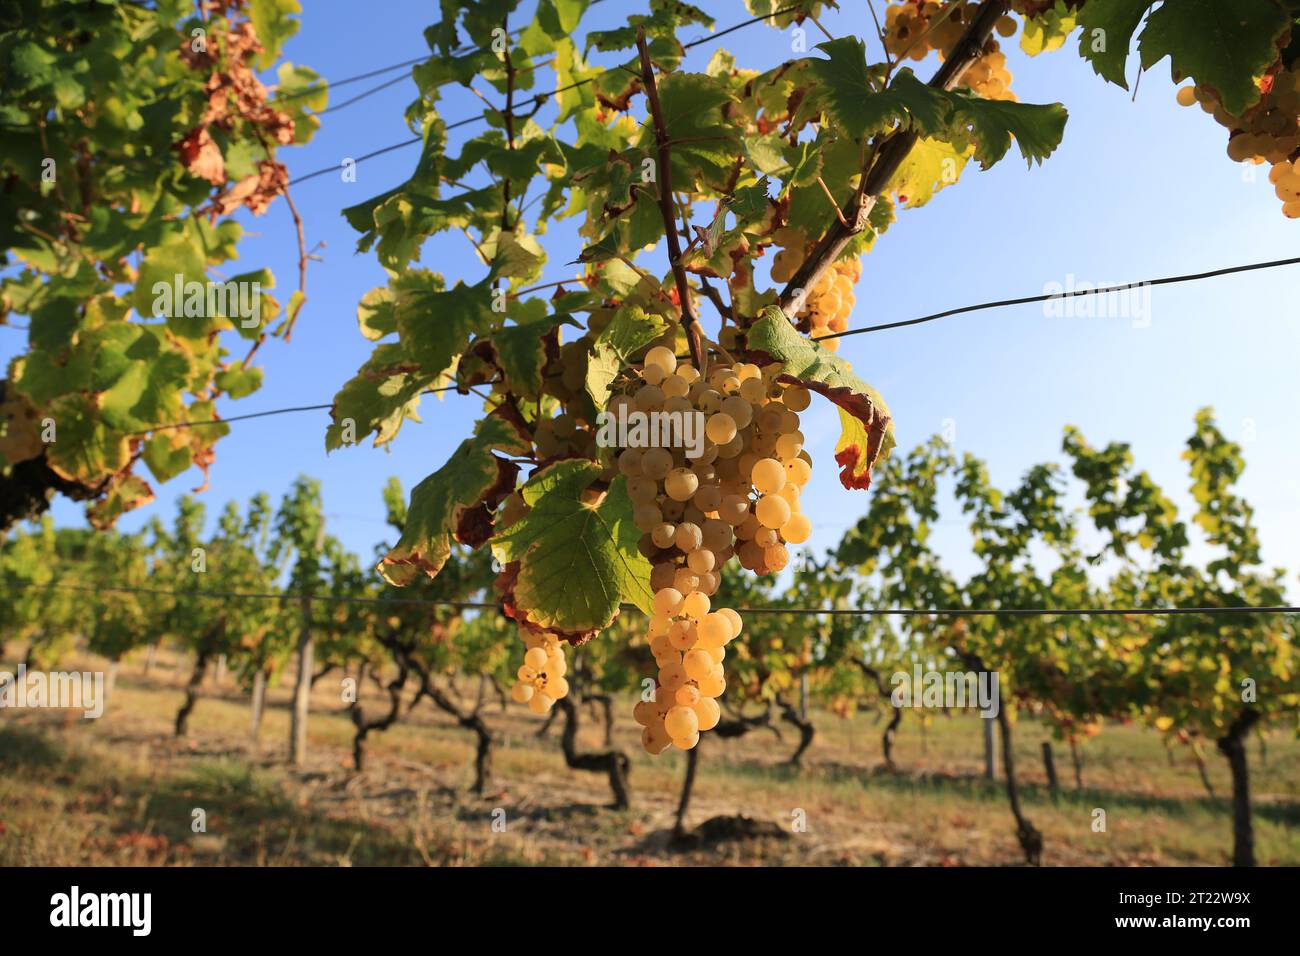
(552, 26)
(781, 13)
(84, 450)
(274, 22)
(609, 246)
(165, 287)
(868, 430)
(436, 324)
(456, 501)
(703, 142)
(751, 205)
(148, 393)
(847, 92)
(570, 70)
(384, 393)
(1222, 46)
(766, 153)
(20, 428)
(239, 382)
(376, 315)
(1108, 31)
(804, 162)
(931, 165)
(1048, 30)
(167, 454)
(844, 85)
(577, 557)
(126, 494)
(1037, 128)
(520, 350)
(841, 165)
(630, 330)
(515, 256)
(397, 222)
(53, 324)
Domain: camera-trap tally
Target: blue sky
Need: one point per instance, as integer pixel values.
(1138, 189)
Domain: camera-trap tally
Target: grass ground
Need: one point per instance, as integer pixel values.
(122, 790)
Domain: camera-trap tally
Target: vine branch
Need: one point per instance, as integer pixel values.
(690, 324)
(852, 217)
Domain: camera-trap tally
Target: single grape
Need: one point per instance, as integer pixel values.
(739, 410)
(663, 358)
(734, 509)
(629, 462)
(667, 601)
(644, 712)
(672, 676)
(797, 530)
(686, 580)
(688, 537)
(675, 386)
(647, 518)
(661, 575)
(695, 605)
(798, 471)
(720, 428)
(753, 390)
(688, 695)
(683, 635)
(655, 739)
(714, 630)
(662, 535)
(772, 511)
(707, 712)
(776, 557)
(656, 463)
(701, 560)
(681, 722)
(789, 445)
(768, 475)
(717, 535)
(715, 685)
(734, 616)
(681, 484)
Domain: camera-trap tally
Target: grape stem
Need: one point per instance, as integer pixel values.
(876, 174)
(689, 323)
(839, 214)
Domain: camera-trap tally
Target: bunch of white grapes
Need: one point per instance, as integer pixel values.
(541, 681)
(739, 497)
(1268, 132)
(915, 28)
(564, 435)
(831, 300)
